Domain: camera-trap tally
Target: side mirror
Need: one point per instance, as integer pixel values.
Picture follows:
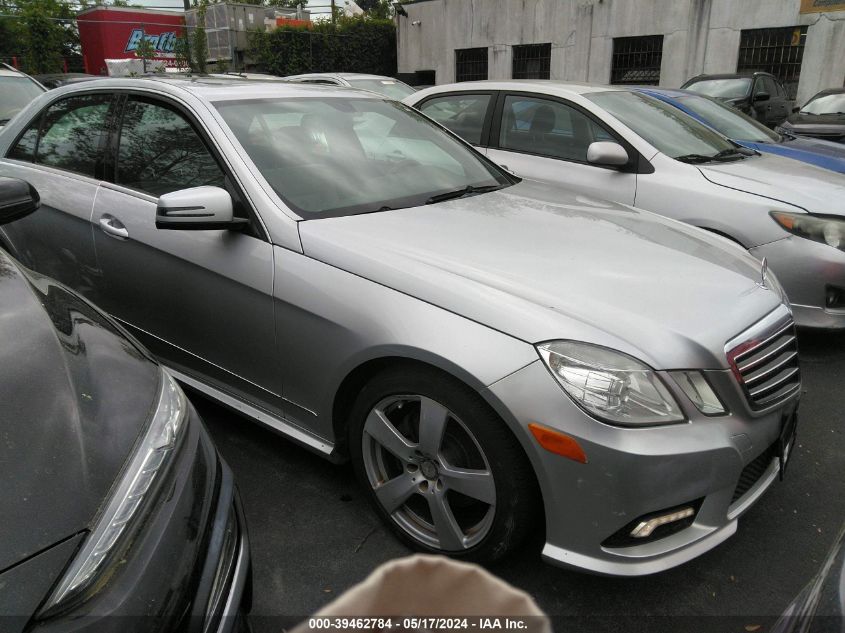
(197, 209)
(796, 109)
(762, 96)
(607, 153)
(18, 198)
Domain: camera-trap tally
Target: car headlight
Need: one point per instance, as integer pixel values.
(609, 385)
(146, 464)
(825, 229)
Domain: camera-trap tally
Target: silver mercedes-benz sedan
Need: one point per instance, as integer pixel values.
(617, 143)
(489, 353)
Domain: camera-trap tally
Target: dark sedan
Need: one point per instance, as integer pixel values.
(117, 512)
(57, 80)
(759, 95)
(823, 116)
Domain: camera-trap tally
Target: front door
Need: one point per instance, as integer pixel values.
(547, 140)
(201, 300)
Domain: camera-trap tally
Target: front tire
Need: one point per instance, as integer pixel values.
(440, 467)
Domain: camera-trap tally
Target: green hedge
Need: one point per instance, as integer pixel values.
(359, 45)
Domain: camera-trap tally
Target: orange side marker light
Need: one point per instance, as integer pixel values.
(558, 443)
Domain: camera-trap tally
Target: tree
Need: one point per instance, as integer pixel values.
(199, 42)
(182, 52)
(43, 36)
(145, 51)
(291, 4)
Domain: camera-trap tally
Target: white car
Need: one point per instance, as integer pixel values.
(615, 143)
(386, 86)
(17, 89)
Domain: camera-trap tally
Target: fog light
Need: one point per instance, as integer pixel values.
(645, 528)
(834, 297)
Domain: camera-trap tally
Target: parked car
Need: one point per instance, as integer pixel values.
(759, 95)
(17, 89)
(745, 131)
(822, 117)
(339, 268)
(117, 510)
(820, 606)
(387, 86)
(620, 144)
(55, 80)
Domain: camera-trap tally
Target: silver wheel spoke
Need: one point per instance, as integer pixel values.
(477, 484)
(394, 493)
(449, 533)
(382, 431)
(433, 417)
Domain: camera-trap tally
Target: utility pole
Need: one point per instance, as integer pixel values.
(334, 10)
(187, 4)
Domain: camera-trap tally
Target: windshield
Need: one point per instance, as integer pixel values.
(730, 122)
(329, 156)
(15, 95)
(826, 104)
(735, 88)
(671, 131)
(387, 87)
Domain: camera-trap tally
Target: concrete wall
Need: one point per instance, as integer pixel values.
(698, 35)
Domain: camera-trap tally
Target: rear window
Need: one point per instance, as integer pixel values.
(16, 92)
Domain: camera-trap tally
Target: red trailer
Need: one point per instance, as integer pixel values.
(114, 33)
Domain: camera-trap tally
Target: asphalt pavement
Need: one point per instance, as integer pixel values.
(313, 534)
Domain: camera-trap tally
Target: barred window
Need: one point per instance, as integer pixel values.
(470, 64)
(532, 61)
(636, 60)
(776, 51)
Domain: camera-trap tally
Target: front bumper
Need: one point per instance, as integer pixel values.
(188, 567)
(807, 270)
(635, 472)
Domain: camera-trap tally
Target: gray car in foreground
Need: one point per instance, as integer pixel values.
(490, 353)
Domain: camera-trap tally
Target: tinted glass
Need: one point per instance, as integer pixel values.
(826, 104)
(765, 84)
(71, 133)
(25, 147)
(329, 156)
(15, 94)
(665, 127)
(387, 87)
(463, 114)
(722, 88)
(548, 128)
(730, 122)
(160, 152)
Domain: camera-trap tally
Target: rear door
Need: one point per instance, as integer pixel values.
(547, 139)
(61, 154)
(200, 299)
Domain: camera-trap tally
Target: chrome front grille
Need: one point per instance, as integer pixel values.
(765, 362)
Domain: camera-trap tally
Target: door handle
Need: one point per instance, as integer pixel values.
(113, 227)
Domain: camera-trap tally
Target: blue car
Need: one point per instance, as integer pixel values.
(748, 133)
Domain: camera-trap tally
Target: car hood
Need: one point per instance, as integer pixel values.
(799, 184)
(74, 396)
(538, 263)
(826, 126)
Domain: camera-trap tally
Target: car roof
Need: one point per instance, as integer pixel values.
(829, 91)
(11, 72)
(220, 88)
(548, 86)
(341, 76)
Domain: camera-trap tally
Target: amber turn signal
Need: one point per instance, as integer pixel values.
(558, 443)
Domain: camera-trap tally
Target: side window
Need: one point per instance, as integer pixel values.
(765, 84)
(548, 128)
(463, 114)
(71, 133)
(24, 149)
(160, 152)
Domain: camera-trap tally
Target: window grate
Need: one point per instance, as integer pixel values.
(636, 60)
(776, 51)
(470, 64)
(532, 61)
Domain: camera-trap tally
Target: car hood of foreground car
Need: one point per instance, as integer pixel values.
(799, 184)
(74, 396)
(539, 263)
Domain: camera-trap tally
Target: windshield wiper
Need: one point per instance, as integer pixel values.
(732, 153)
(4, 121)
(460, 193)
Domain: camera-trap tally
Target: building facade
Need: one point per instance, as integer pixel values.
(660, 42)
